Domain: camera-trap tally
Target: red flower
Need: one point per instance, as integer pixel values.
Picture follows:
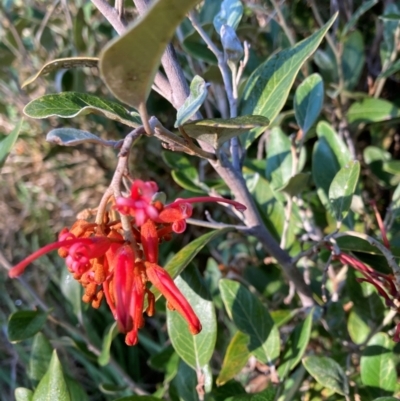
(109, 266)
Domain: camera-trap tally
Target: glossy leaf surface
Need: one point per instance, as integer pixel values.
(72, 104)
(195, 350)
(25, 324)
(342, 189)
(269, 85)
(252, 318)
(328, 373)
(308, 101)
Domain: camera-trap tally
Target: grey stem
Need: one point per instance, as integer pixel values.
(234, 180)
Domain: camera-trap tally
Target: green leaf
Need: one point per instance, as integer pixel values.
(40, 357)
(72, 291)
(72, 104)
(7, 143)
(296, 184)
(230, 14)
(269, 85)
(376, 158)
(72, 137)
(111, 333)
(393, 69)
(357, 326)
(377, 366)
(63, 63)
(198, 93)
(371, 110)
(181, 259)
(308, 101)
(75, 390)
(357, 14)
(53, 385)
(266, 395)
(194, 45)
(279, 158)
(390, 22)
(330, 154)
(328, 373)
(216, 131)
(130, 62)
(195, 350)
(235, 359)
(392, 166)
(382, 399)
(296, 346)
(342, 189)
(188, 179)
(252, 318)
(186, 382)
(23, 394)
(353, 58)
(25, 324)
(79, 25)
(166, 361)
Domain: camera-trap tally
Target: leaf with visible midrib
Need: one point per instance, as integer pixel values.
(52, 386)
(63, 63)
(269, 85)
(342, 189)
(129, 63)
(216, 131)
(252, 318)
(195, 350)
(235, 359)
(328, 373)
(72, 104)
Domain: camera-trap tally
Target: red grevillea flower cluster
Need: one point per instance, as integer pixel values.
(109, 267)
(384, 283)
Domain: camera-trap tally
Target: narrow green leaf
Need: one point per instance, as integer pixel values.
(166, 361)
(269, 85)
(72, 104)
(328, 373)
(75, 390)
(230, 14)
(390, 20)
(353, 59)
(382, 399)
(195, 350)
(23, 394)
(308, 101)
(72, 291)
(53, 385)
(378, 367)
(63, 63)
(7, 143)
(393, 69)
(180, 260)
(25, 324)
(72, 137)
(252, 318)
(235, 359)
(279, 158)
(371, 110)
(129, 63)
(188, 179)
(330, 154)
(198, 93)
(216, 131)
(342, 189)
(111, 333)
(295, 346)
(296, 184)
(77, 30)
(357, 14)
(40, 357)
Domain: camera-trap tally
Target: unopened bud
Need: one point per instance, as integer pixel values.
(233, 49)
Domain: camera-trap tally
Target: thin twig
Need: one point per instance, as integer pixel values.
(283, 24)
